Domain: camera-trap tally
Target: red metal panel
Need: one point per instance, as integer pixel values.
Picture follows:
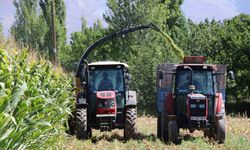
(218, 102)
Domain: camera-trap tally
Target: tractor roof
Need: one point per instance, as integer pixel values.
(204, 66)
(195, 62)
(210, 65)
(111, 63)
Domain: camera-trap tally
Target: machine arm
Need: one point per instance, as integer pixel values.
(109, 37)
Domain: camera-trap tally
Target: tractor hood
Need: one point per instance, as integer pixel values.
(105, 94)
(197, 96)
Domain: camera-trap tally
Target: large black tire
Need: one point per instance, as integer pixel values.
(172, 131)
(162, 130)
(159, 126)
(210, 133)
(81, 129)
(220, 126)
(220, 130)
(130, 122)
(218, 133)
(71, 124)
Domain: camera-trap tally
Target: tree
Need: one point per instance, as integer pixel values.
(79, 43)
(142, 51)
(176, 24)
(33, 24)
(237, 54)
(60, 17)
(123, 14)
(224, 43)
(28, 27)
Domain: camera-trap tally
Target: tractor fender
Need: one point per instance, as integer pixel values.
(219, 104)
(131, 100)
(169, 103)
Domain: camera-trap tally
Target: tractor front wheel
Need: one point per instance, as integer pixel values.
(130, 128)
(81, 129)
(159, 128)
(220, 126)
(220, 131)
(162, 129)
(209, 133)
(172, 131)
(71, 124)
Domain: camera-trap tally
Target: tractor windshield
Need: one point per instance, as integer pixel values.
(202, 80)
(106, 79)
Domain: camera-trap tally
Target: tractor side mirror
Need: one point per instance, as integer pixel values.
(231, 75)
(160, 75)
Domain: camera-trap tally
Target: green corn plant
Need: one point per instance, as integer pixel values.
(35, 101)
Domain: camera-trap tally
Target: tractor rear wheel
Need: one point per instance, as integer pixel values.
(172, 131)
(162, 129)
(130, 128)
(81, 129)
(220, 131)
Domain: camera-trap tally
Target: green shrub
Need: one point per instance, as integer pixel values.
(35, 100)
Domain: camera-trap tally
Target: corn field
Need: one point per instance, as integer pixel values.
(35, 101)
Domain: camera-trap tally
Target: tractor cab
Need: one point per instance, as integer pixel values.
(191, 95)
(106, 90)
(194, 91)
(103, 101)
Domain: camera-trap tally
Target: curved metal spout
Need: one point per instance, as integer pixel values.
(109, 37)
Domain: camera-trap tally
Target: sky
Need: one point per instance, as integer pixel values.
(196, 10)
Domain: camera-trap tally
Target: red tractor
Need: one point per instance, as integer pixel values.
(191, 95)
(104, 101)
(103, 98)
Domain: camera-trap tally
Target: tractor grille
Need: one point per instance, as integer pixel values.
(105, 103)
(198, 108)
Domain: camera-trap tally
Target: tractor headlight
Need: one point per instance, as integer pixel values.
(193, 106)
(202, 106)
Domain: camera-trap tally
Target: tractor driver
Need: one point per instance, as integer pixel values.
(106, 83)
(185, 85)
